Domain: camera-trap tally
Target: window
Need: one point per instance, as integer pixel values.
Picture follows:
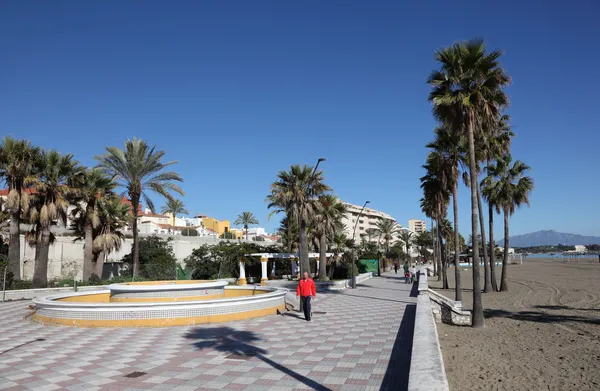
(361, 228)
(361, 221)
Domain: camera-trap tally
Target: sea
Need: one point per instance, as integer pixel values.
(561, 256)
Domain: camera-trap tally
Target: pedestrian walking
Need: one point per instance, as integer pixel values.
(406, 272)
(396, 267)
(306, 290)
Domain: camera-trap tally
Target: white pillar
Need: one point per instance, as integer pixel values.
(242, 279)
(263, 264)
(318, 268)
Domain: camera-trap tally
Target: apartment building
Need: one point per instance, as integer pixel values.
(417, 226)
(368, 220)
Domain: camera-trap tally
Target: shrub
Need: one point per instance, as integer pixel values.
(189, 232)
(94, 279)
(157, 260)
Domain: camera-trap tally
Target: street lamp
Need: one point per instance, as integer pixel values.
(310, 182)
(353, 280)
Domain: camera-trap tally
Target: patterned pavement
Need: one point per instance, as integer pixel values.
(357, 340)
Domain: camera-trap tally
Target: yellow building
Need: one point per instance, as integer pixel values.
(237, 233)
(218, 226)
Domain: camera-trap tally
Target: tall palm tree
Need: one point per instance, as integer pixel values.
(288, 229)
(496, 143)
(452, 145)
(139, 168)
(295, 191)
(435, 188)
(94, 185)
(467, 90)
(327, 221)
(506, 187)
(245, 219)
(427, 206)
(174, 207)
(54, 190)
(17, 168)
(407, 237)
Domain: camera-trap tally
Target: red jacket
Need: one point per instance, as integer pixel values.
(306, 288)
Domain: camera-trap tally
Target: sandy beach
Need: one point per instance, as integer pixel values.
(543, 334)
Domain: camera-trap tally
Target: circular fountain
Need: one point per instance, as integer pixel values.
(159, 304)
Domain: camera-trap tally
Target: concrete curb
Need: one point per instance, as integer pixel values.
(427, 371)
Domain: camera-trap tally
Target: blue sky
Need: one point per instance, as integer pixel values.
(237, 90)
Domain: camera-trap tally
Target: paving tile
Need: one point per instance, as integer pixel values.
(348, 348)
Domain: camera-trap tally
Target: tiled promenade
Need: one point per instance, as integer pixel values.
(358, 340)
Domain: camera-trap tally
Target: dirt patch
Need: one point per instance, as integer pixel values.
(543, 334)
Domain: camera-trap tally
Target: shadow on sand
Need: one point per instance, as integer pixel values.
(538, 316)
(239, 343)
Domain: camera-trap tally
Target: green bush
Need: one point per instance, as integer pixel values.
(189, 232)
(157, 260)
(21, 284)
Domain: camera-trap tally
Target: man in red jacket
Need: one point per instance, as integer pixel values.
(306, 289)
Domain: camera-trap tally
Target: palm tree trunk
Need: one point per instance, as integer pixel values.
(99, 269)
(457, 288)
(444, 269)
(14, 245)
(42, 248)
(434, 251)
(323, 258)
(135, 251)
(88, 251)
(246, 228)
(503, 283)
(477, 318)
(304, 261)
(492, 249)
(487, 285)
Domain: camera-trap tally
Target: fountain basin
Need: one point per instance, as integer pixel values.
(95, 308)
(158, 291)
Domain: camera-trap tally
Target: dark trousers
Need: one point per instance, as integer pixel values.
(306, 306)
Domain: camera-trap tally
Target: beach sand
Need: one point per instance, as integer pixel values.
(543, 334)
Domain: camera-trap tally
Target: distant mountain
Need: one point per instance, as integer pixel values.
(550, 237)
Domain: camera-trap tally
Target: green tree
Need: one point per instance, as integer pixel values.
(371, 233)
(53, 192)
(295, 191)
(328, 220)
(386, 229)
(451, 144)
(507, 187)
(94, 184)
(407, 238)
(436, 190)
(174, 207)
(246, 219)
(496, 143)
(467, 91)
(18, 169)
(139, 168)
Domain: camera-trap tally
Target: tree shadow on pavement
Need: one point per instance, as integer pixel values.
(396, 375)
(239, 343)
(538, 316)
(564, 307)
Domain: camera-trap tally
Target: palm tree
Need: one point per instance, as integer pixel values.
(245, 219)
(94, 186)
(295, 191)
(467, 90)
(371, 233)
(506, 187)
(112, 215)
(288, 229)
(386, 229)
(427, 207)
(139, 169)
(407, 237)
(54, 190)
(341, 241)
(17, 168)
(327, 221)
(496, 143)
(174, 207)
(435, 188)
(451, 144)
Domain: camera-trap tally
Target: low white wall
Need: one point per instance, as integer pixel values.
(65, 258)
(427, 371)
(28, 294)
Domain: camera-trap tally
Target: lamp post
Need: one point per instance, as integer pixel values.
(354, 253)
(308, 186)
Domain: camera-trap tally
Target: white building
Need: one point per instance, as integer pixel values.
(254, 232)
(579, 248)
(417, 226)
(368, 221)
